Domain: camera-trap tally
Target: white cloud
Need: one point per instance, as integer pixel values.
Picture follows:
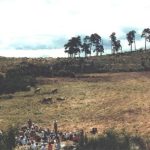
(33, 53)
(67, 18)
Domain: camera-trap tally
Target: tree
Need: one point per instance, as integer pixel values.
(131, 38)
(99, 49)
(96, 41)
(86, 46)
(113, 41)
(73, 46)
(146, 35)
(118, 46)
(115, 44)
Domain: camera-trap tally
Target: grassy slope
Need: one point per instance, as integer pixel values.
(125, 62)
(119, 100)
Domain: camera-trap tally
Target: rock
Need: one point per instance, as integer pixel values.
(47, 100)
(37, 90)
(54, 91)
(60, 99)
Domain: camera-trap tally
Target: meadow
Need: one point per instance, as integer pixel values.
(101, 100)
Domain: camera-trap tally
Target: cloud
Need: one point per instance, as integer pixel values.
(34, 42)
(32, 53)
(48, 24)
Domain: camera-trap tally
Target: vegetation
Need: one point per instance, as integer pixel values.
(119, 100)
(146, 35)
(90, 43)
(24, 73)
(17, 79)
(113, 140)
(131, 38)
(115, 44)
(7, 139)
(104, 101)
(94, 43)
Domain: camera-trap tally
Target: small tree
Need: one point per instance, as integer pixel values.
(86, 46)
(115, 44)
(97, 43)
(73, 46)
(146, 35)
(131, 38)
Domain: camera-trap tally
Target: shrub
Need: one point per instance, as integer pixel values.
(64, 73)
(18, 83)
(1, 83)
(112, 140)
(7, 139)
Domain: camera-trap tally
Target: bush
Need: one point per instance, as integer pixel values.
(63, 73)
(1, 83)
(7, 139)
(15, 80)
(18, 83)
(112, 140)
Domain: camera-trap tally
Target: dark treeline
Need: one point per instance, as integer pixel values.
(94, 43)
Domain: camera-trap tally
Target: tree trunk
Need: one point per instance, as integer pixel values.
(90, 50)
(131, 47)
(96, 53)
(134, 45)
(121, 49)
(145, 43)
(111, 48)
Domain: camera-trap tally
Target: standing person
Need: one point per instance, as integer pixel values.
(43, 147)
(30, 123)
(55, 127)
(50, 146)
(57, 144)
(1, 135)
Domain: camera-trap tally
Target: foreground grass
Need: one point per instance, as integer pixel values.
(112, 140)
(119, 100)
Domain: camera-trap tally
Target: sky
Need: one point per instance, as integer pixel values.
(40, 28)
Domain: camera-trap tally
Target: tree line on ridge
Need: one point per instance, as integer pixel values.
(94, 43)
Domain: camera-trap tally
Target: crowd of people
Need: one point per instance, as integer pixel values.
(33, 137)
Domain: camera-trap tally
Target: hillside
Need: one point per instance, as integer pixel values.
(121, 62)
(92, 98)
(119, 100)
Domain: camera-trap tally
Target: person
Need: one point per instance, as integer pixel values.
(55, 127)
(33, 145)
(1, 135)
(57, 144)
(43, 147)
(50, 146)
(29, 123)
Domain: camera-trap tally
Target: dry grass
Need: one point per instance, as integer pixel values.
(119, 100)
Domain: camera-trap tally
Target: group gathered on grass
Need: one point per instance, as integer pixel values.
(33, 137)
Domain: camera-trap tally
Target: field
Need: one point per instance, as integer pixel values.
(119, 100)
